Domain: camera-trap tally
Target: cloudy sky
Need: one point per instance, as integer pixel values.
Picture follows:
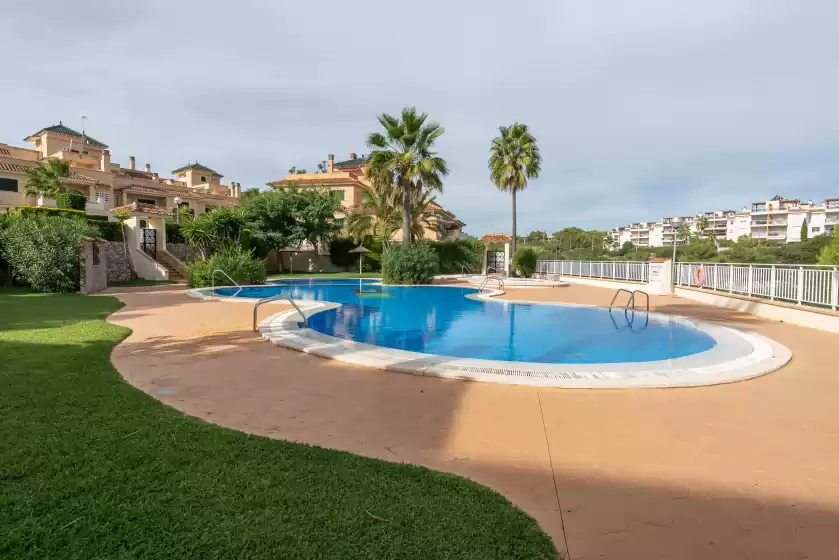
(642, 109)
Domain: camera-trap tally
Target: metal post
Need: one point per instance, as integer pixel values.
(800, 292)
(731, 279)
(751, 279)
(772, 283)
(834, 289)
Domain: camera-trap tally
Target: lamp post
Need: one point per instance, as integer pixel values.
(178, 201)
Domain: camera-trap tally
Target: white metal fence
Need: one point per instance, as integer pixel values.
(631, 271)
(805, 285)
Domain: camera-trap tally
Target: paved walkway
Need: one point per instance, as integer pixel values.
(740, 471)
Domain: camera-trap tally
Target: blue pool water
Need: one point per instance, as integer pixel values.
(441, 320)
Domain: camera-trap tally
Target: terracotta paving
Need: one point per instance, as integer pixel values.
(739, 471)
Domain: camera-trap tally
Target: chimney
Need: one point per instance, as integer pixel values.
(353, 155)
(238, 190)
(148, 168)
(330, 163)
(131, 163)
(105, 161)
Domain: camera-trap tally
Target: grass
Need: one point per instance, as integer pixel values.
(91, 468)
(139, 282)
(325, 275)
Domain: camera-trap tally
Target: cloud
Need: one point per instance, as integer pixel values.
(642, 109)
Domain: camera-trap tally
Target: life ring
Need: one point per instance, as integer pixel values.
(699, 276)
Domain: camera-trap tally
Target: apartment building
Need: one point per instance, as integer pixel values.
(349, 178)
(778, 221)
(107, 185)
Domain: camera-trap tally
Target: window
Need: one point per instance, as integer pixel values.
(340, 194)
(144, 224)
(103, 196)
(203, 179)
(149, 201)
(8, 184)
(816, 229)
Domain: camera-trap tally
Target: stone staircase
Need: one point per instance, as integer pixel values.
(172, 267)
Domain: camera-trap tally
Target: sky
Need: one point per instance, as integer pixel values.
(641, 109)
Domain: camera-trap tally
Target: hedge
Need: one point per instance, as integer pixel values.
(71, 199)
(412, 264)
(44, 211)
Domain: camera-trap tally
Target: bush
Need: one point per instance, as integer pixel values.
(524, 261)
(44, 211)
(339, 252)
(45, 252)
(413, 264)
(173, 232)
(72, 199)
(456, 254)
(110, 231)
(240, 264)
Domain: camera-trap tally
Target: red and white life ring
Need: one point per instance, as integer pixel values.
(699, 276)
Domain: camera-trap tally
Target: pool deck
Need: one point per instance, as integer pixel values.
(739, 471)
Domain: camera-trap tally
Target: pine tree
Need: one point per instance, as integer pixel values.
(804, 230)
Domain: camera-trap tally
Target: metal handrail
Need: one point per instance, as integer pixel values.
(213, 281)
(631, 298)
(646, 295)
(496, 278)
(274, 298)
(463, 269)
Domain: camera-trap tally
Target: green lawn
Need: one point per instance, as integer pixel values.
(325, 275)
(91, 468)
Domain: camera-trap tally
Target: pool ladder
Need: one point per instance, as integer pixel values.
(213, 281)
(488, 278)
(630, 319)
(274, 298)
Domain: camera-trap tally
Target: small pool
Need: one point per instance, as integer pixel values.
(444, 321)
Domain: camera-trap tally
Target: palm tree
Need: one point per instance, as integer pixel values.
(701, 224)
(403, 157)
(47, 179)
(379, 213)
(122, 216)
(514, 158)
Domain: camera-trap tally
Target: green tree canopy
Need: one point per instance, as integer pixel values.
(47, 179)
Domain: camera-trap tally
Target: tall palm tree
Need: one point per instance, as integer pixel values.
(514, 158)
(47, 179)
(403, 157)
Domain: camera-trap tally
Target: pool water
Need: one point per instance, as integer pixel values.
(442, 320)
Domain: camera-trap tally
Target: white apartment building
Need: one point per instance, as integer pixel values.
(779, 221)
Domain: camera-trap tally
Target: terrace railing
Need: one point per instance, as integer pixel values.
(627, 271)
(814, 285)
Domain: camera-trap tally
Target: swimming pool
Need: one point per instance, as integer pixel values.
(454, 332)
(444, 321)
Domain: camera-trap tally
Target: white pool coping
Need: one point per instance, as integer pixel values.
(737, 355)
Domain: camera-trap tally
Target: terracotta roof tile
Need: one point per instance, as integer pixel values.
(13, 167)
(165, 191)
(496, 237)
(79, 177)
(5, 152)
(142, 208)
(313, 181)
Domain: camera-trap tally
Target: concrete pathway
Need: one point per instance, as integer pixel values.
(739, 471)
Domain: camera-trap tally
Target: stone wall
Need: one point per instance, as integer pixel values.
(183, 252)
(94, 266)
(119, 269)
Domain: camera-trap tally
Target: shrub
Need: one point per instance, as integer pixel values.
(339, 252)
(45, 252)
(413, 264)
(525, 261)
(110, 231)
(240, 264)
(173, 232)
(72, 199)
(456, 254)
(44, 211)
